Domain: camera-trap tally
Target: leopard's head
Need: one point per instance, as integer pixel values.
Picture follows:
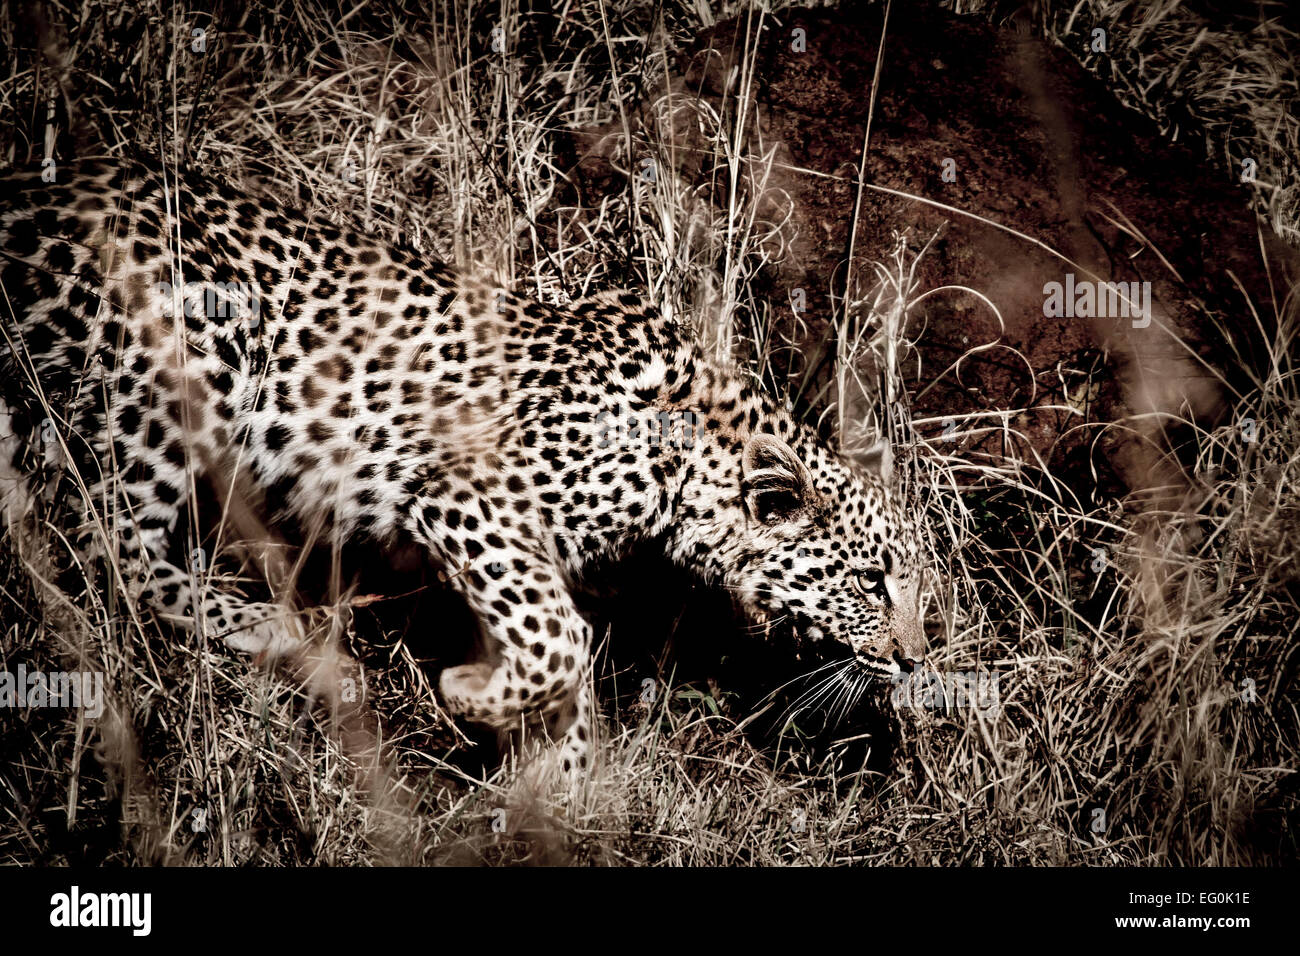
(827, 543)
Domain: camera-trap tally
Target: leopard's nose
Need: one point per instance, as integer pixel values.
(909, 639)
(906, 663)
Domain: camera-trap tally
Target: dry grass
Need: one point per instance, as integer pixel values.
(1143, 647)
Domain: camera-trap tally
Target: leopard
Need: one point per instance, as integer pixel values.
(162, 328)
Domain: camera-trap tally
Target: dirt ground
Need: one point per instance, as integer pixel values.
(1037, 146)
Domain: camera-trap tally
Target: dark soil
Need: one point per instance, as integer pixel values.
(1040, 147)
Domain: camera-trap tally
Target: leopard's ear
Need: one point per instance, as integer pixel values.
(879, 458)
(776, 484)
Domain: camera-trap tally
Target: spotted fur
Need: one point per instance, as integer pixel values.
(158, 328)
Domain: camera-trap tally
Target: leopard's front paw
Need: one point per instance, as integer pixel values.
(465, 688)
(268, 639)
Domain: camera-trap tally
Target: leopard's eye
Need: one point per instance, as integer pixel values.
(870, 583)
